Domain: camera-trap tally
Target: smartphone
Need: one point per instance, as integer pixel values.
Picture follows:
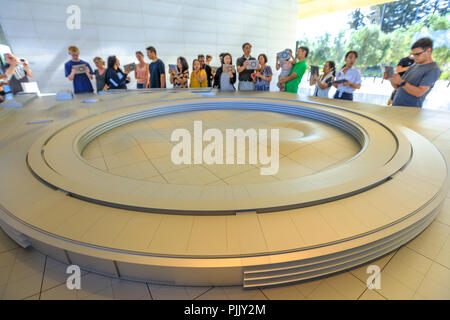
(340, 81)
(389, 72)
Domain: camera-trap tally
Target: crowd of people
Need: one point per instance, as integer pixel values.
(414, 78)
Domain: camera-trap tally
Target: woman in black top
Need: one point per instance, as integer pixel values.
(115, 77)
(229, 79)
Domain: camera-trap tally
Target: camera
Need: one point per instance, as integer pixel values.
(79, 68)
(173, 67)
(252, 65)
(228, 68)
(130, 67)
(283, 55)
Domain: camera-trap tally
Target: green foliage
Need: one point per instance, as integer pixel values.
(372, 45)
(377, 48)
(399, 14)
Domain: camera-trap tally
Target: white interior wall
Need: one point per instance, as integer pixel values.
(36, 30)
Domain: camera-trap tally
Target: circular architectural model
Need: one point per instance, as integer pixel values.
(315, 188)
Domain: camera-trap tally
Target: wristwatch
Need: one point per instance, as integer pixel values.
(402, 84)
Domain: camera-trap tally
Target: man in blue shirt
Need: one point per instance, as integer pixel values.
(415, 84)
(81, 81)
(157, 70)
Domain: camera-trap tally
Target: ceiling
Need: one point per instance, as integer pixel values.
(311, 8)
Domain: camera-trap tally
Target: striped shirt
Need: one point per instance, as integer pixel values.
(179, 77)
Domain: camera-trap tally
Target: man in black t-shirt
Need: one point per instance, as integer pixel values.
(402, 66)
(245, 75)
(203, 65)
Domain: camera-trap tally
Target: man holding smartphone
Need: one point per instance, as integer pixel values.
(18, 71)
(415, 84)
(401, 68)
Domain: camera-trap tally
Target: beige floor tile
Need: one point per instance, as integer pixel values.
(408, 267)
(6, 243)
(129, 290)
(228, 170)
(98, 163)
(347, 285)
(290, 169)
(371, 295)
(215, 293)
(23, 288)
(361, 271)
(59, 293)
(116, 145)
(55, 274)
(436, 284)
(123, 158)
(288, 292)
(139, 171)
(325, 291)
(393, 289)
(308, 286)
(444, 215)
(105, 294)
(157, 149)
(252, 176)
(195, 175)
(27, 265)
(163, 292)
(92, 151)
(312, 158)
(239, 293)
(430, 242)
(443, 256)
(7, 260)
(165, 165)
(157, 179)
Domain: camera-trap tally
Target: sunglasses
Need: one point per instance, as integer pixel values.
(418, 54)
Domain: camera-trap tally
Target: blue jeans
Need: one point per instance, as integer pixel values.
(345, 96)
(141, 85)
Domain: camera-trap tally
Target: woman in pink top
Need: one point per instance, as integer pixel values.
(142, 74)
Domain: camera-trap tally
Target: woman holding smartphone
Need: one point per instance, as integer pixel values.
(115, 77)
(348, 78)
(323, 83)
(225, 79)
(179, 78)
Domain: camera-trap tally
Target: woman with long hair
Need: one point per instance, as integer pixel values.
(323, 83)
(348, 78)
(225, 80)
(100, 74)
(199, 78)
(179, 78)
(115, 77)
(142, 73)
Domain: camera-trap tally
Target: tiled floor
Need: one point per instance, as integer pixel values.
(418, 270)
(142, 149)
